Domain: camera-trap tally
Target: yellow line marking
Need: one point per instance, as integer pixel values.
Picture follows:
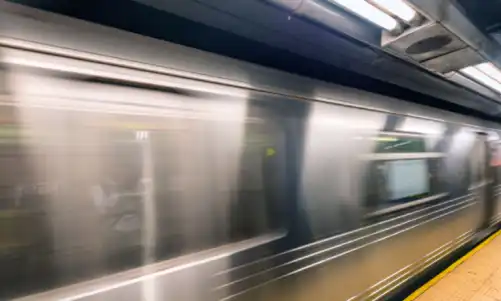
(448, 270)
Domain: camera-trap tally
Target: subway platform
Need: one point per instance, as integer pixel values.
(474, 277)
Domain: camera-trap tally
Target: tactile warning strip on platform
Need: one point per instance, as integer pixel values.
(474, 277)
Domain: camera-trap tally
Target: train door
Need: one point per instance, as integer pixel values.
(481, 182)
(123, 196)
(496, 176)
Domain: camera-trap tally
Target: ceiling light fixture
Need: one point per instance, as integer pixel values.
(397, 7)
(485, 74)
(490, 70)
(369, 12)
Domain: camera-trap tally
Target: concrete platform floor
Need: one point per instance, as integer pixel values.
(475, 277)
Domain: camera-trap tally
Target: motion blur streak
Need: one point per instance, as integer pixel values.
(167, 173)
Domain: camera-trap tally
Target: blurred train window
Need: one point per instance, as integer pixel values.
(93, 193)
(115, 177)
(478, 162)
(397, 181)
(407, 178)
(255, 211)
(25, 236)
(118, 196)
(400, 144)
(496, 154)
(496, 161)
(402, 171)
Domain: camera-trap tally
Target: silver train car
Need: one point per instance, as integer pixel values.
(135, 169)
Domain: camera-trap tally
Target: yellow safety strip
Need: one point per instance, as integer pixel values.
(445, 272)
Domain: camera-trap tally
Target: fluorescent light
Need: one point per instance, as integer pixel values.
(369, 12)
(397, 7)
(475, 73)
(490, 70)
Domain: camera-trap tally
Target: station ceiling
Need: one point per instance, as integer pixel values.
(486, 14)
(257, 32)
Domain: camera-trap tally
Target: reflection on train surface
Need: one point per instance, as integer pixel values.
(123, 179)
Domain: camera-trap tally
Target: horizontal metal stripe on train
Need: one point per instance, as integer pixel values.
(347, 244)
(496, 219)
(323, 261)
(83, 105)
(103, 57)
(401, 156)
(113, 62)
(92, 58)
(403, 134)
(408, 204)
(478, 185)
(20, 53)
(385, 286)
(398, 274)
(136, 276)
(69, 66)
(427, 265)
(298, 265)
(332, 240)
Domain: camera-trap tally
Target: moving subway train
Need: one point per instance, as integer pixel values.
(134, 169)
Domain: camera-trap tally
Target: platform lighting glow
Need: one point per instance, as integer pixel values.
(397, 7)
(476, 73)
(369, 12)
(490, 70)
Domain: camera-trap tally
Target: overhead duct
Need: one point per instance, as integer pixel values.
(479, 48)
(450, 44)
(411, 32)
(433, 46)
(435, 34)
(451, 18)
(447, 41)
(438, 36)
